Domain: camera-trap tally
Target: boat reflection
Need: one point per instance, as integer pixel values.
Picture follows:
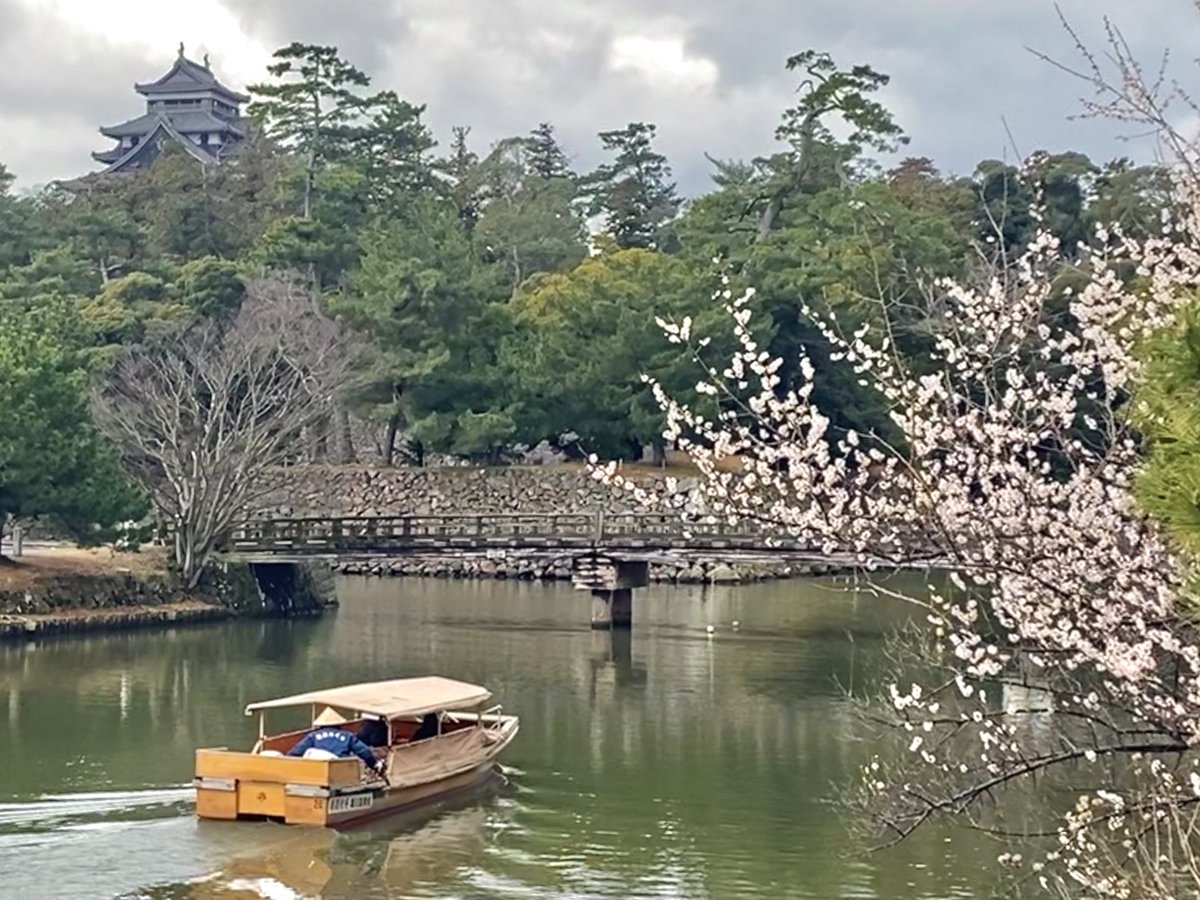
(384, 859)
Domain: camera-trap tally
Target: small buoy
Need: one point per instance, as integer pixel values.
(710, 629)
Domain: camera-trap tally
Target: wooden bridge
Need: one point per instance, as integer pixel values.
(610, 552)
(626, 535)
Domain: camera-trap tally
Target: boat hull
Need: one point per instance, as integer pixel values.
(390, 802)
(331, 793)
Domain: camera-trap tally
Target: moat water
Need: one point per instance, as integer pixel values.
(664, 763)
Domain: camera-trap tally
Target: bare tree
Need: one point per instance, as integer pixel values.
(201, 416)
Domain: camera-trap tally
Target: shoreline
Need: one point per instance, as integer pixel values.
(79, 620)
(62, 589)
(68, 591)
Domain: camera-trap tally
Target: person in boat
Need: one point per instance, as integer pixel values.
(428, 727)
(339, 743)
(374, 733)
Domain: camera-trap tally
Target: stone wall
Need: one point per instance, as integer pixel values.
(168, 615)
(230, 587)
(345, 491)
(69, 591)
(552, 567)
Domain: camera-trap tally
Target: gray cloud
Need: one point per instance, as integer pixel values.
(59, 87)
(364, 36)
(960, 71)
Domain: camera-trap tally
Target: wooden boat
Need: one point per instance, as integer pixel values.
(265, 783)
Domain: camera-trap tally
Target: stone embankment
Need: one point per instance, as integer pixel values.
(168, 615)
(532, 567)
(328, 491)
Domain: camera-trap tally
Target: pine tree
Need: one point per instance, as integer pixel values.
(634, 192)
(461, 167)
(545, 157)
(312, 108)
(391, 148)
(826, 91)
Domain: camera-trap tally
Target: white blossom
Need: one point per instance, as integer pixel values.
(1035, 526)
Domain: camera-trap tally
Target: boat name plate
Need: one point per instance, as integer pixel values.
(351, 802)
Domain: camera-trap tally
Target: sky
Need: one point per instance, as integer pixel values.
(709, 73)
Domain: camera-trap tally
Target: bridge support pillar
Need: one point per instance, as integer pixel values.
(612, 610)
(611, 583)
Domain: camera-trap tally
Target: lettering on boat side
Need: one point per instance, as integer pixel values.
(353, 801)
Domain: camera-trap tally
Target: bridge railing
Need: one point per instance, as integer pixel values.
(415, 528)
(567, 530)
(674, 525)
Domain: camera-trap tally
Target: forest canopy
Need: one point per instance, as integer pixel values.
(506, 298)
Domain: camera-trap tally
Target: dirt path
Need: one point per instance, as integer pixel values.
(43, 561)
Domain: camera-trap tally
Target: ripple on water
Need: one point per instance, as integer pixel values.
(52, 810)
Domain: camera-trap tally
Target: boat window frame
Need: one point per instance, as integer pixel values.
(479, 712)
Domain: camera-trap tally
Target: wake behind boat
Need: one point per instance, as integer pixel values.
(433, 738)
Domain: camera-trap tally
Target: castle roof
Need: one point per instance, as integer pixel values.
(109, 156)
(185, 77)
(164, 127)
(194, 121)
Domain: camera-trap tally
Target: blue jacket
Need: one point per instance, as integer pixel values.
(334, 740)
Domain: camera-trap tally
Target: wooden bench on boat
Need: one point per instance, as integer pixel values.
(265, 782)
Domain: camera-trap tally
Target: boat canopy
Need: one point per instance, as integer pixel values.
(398, 697)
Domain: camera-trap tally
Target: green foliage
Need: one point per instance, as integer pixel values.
(468, 280)
(1133, 197)
(420, 293)
(1058, 183)
(587, 336)
(190, 210)
(633, 192)
(482, 434)
(530, 223)
(463, 182)
(1167, 411)
(864, 255)
(52, 463)
(846, 92)
(326, 244)
(211, 288)
(18, 228)
(136, 289)
(392, 150)
(102, 233)
(127, 311)
(815, 160)
(55, 271)
(112, 322)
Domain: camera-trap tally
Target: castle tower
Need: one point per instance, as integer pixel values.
(187, 105)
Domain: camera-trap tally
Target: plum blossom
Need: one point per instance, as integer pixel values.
(1013, 475)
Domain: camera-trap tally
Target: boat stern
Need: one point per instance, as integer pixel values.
(233, 785)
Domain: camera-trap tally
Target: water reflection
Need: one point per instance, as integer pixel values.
(406, 856)
(662, 762)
